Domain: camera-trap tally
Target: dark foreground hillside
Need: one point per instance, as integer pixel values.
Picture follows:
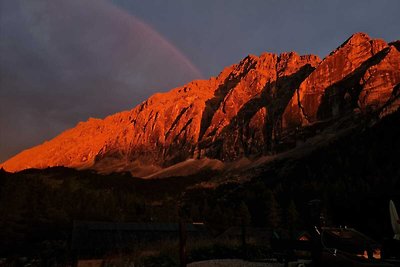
(354, 176)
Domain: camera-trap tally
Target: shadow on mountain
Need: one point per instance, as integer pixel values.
(213, 104)
(275, 96)
(342, 96)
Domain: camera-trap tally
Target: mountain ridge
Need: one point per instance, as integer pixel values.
(247, 111)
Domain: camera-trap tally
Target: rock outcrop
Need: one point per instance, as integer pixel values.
(240, 113)
(344, 61)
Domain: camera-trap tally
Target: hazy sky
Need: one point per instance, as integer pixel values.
(63, 61)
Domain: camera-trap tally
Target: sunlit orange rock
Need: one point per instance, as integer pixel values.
(244, 121)
(381, 82)
(339, 66)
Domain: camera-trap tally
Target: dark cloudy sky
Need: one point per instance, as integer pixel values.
(63, 61)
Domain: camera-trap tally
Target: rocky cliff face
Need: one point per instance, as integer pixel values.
(360, 74)
(243, 112)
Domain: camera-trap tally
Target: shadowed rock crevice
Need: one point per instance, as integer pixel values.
(343, 96)
(277, 103)
(237, 138)
(175, 122)
(395, 96)
(396, 44)
(180, 149)
(395, 93)
(393, 103)
(301, 108)
(214, 103)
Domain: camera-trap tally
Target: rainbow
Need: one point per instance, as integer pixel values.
(161, 40)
